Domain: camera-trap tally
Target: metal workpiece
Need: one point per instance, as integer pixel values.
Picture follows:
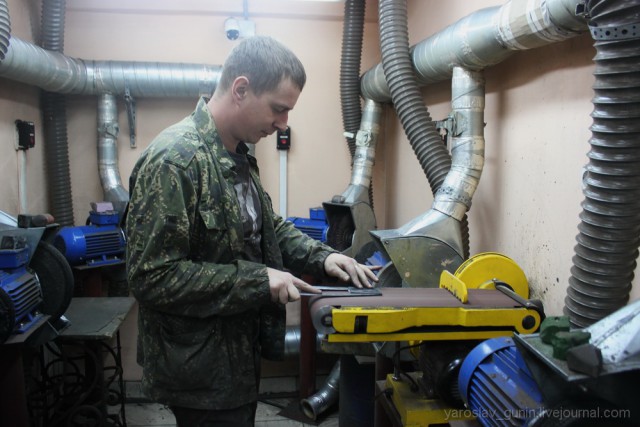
(482, 39)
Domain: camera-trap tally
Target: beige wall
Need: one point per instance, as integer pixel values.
(20, 102)
(537, 115)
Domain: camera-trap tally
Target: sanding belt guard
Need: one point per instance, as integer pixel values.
(399, 314)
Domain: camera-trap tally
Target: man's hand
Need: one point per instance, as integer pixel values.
(348, 269)
(285, 287)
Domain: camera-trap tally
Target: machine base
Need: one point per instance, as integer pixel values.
(407, 408)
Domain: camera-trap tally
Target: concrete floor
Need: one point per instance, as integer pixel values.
(156, 415)
(273, 409)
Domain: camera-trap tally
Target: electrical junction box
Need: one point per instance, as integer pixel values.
(26, 135)
(284, 139)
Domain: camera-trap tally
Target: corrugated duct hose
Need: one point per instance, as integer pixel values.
(350, 60)
(423, 136)
(352, 33)
(607, 245)
(5, 29)
(54, 114)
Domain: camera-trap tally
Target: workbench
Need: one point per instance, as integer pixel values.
(89, 352)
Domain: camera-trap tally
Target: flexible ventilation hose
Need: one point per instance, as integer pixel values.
(54, 113)
(405, 93)
(5, 29)
(352, 34)
(423, 136)
(350, 60)
(609, 234)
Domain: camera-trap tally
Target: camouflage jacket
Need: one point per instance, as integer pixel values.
(205, 315)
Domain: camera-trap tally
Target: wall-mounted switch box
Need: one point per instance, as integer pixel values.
(26, 135)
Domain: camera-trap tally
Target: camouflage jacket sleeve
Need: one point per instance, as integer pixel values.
(300, 253)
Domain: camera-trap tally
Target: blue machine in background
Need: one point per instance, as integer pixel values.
(100, 242)
(315, 226)
(20, 291)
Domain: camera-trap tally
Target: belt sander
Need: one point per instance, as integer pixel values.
(485, 298)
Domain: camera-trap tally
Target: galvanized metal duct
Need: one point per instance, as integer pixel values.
(59, 74)
(54, 121)
(108, 152)
(326, 396)
(55, 72)
(607, 245)
(467, 144)
(484, 38)
(350, 215)
(429, 243)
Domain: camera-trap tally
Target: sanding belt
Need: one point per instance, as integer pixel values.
(320, 306)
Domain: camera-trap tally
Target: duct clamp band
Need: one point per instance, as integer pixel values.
(615, 32)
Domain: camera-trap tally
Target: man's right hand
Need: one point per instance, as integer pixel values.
(285, 286)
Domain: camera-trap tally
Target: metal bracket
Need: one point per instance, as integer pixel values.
(363, 138)
(446, 126)
(453, 125)
(130, 102)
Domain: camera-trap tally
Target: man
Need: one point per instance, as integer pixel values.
(206, 253)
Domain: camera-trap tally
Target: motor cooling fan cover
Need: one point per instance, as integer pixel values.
(7, 316)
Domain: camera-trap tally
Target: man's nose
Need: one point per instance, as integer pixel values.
(281, 122)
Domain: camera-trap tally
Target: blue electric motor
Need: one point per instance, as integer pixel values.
(315, 226)
(497, 386)
(20, 291)
(100, 243)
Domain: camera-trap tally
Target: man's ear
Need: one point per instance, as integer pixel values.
(239, 88)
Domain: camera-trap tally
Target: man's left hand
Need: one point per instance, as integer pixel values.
(348, 269)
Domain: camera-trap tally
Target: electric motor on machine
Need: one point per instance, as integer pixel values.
(99, 243)
(497, 386)
(20, 291)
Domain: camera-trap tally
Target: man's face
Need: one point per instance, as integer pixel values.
(264, 114)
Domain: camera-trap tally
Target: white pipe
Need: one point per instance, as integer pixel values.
(283, 183)
(22, 180)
